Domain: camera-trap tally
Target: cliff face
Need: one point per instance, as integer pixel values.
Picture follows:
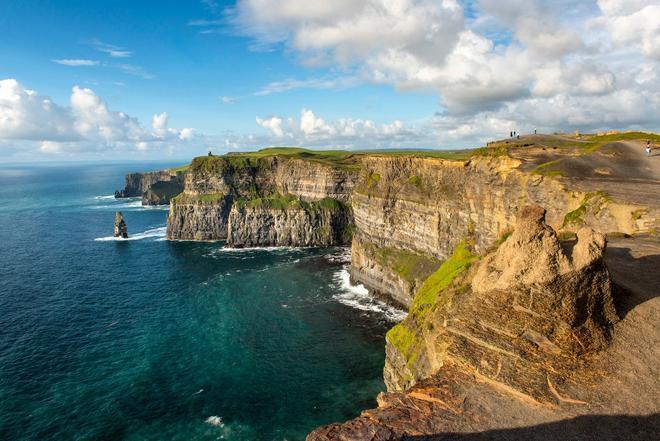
(521, 321)
(291, 226)
(428, 206)
(139, 183)
(263, 201)
(162, 192)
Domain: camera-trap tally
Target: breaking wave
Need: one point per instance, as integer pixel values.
(358, 297)
(157, 233)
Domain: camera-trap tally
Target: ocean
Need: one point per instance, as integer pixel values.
(146, 339)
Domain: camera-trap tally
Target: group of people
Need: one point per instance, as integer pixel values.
(514, 134)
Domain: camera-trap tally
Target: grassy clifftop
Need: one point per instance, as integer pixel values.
(349, 159)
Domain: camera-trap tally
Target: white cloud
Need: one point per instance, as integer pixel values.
(314, 83)
(76, 62)
(186, 133)
(110, 49)
(85, 124)
(566, 57)
(26, 115)
(228, 99)
(633, 23)
(313, 130)
(273, 124)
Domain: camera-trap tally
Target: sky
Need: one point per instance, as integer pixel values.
(172, 79)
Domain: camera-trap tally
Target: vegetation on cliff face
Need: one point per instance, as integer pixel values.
(208, 198)
(409, 265)
(594, 200)
(431, 295)
(290, 202)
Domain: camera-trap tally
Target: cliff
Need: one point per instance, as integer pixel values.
(276, 197)
(155, 188)
(511, 339)
(138, 183)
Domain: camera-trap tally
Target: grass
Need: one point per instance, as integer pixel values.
(450, 155)
(338, 159)
(416, 181)
(496, 151)
(289, 201)
(566, 235)
(408, 265)
(458, 262)
(180, 169)
(402, 338)
(548, 169)
(428, 296)
(575, 217)
(208, 198)
(590, 143)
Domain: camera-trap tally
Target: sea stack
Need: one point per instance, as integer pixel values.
(120, 226)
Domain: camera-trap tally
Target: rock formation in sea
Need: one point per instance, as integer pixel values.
(120, 229)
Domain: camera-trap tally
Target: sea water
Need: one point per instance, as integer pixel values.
(147, 339)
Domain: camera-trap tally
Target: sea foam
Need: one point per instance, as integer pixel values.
(158, 233)
(358, 297)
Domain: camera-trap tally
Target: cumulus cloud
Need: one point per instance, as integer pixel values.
(312, 130)
(85, 123)
(488, 65)
(633, 23)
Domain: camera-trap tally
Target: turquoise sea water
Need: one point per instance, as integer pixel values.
(147, 339)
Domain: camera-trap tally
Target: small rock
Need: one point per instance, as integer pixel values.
(120, 226)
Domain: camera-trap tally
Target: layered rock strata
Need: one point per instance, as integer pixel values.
(428, 205)
(139, 183)
(263, 201)
(522, 321)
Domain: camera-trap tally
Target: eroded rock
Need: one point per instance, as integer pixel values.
(120, 226)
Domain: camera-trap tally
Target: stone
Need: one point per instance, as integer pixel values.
(120, 226)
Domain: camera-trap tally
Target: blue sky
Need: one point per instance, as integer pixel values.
(342, 74)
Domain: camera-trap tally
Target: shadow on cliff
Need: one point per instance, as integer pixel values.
(582, 428)
(635, 278)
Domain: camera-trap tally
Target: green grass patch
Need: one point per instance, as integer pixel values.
(408, 265)
(504, 237)
(290, 202)
(416, 181)
(494, 151)
(402, 339)
(458, 262)
(595, 199)
(373, 179)
(449, 155)
(550, 168)
(566, 235)
(590, 143)
(180, 169)
(208, 198)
